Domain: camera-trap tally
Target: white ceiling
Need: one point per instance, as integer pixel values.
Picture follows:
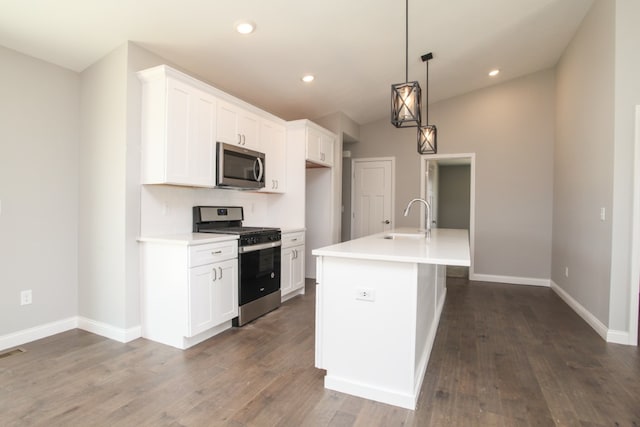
(356, 48)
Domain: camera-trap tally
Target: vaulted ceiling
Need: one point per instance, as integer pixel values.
(355, 48)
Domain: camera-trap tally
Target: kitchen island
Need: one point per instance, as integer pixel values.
(378, 303)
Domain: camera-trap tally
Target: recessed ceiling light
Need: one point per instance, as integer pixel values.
(308, 78)
(245, 27)
(494, 73)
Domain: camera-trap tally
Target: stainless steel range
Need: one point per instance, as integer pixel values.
(258, 258)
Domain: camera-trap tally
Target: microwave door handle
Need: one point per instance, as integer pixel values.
(261, 170)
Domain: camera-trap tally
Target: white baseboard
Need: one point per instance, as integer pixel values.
(37, 332)
(513, 280)
(42, 331)
(109, 331)
(586, 315)
(618, 337)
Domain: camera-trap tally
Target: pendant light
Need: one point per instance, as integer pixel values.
(405, 97)
(427, 134)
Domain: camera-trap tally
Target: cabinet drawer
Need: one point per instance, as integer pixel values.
(213, 252)
(292, 239)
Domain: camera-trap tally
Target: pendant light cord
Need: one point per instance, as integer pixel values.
(426, 98)
(406, 42)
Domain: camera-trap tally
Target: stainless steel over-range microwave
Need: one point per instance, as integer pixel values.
(239, 167)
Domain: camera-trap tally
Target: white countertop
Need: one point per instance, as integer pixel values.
(446, 247)
(189, 239)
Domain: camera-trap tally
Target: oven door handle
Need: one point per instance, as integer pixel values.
(253, 248)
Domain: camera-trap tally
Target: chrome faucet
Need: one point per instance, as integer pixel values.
(427, 215)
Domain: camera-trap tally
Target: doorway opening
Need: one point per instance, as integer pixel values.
(448, 184)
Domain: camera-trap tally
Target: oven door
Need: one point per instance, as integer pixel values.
(259, 267)
(240, 167)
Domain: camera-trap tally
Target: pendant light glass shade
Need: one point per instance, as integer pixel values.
(428, 139)
(427, 134)
(406, 97)
(405, 104)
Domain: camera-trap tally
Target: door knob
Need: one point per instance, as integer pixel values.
(386, 221)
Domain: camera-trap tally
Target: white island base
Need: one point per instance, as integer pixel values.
(376, 319)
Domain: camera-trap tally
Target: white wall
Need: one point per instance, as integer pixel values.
(510, 127)
(39, 122)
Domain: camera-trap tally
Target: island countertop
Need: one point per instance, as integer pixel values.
(446, 247)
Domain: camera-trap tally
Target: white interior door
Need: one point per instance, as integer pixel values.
(371, 196)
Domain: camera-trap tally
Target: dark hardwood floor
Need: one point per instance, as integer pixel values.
(504, 355)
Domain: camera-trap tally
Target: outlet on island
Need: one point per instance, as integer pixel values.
(365, 294)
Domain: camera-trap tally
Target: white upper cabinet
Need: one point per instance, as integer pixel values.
(238, 126)
(178, 130)
(274, 145)
(320, 143)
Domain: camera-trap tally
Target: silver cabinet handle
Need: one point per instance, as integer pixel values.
(220, 268)
(215, 275)
(294, 240)
(239, 139)
(216, 252)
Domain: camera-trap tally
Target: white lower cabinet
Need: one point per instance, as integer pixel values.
(213, 295)
(292, 265)
(189, 292)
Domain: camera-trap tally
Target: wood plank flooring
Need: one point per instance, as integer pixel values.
(504, 355)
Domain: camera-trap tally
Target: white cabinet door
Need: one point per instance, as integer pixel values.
(178, 133)
(213, 295)
(297, 270)
(237, 126)
(200, 310)
(319, 147)
(292, 269)
(286, 271)
(225, 291)
(273, 144)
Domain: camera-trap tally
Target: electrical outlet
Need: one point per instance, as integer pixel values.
(26, 297)
(566, 272)
(365, 294)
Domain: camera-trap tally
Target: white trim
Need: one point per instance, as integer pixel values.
(109, 331)
(512, 280)
(592, 320)
(472, 195)
(634, 280)
(618, 337)
(37, 332)
(392, 159)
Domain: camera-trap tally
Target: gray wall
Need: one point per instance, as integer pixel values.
(109, 221)
(39, 121)
(510, 127)
(584, 163)
(454, 191)
(593, 161)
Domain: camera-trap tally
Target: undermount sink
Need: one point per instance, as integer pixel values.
(406, 236)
